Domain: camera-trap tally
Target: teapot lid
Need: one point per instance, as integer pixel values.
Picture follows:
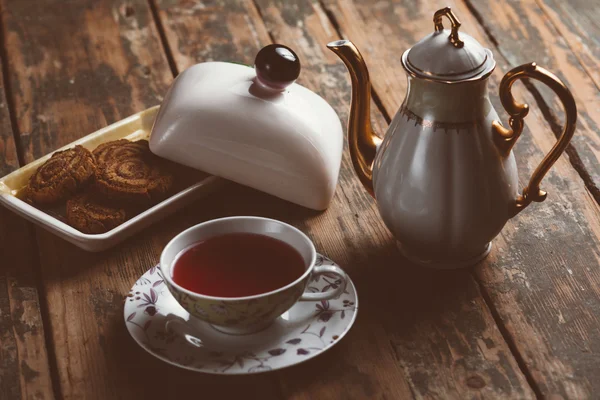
(447, 57)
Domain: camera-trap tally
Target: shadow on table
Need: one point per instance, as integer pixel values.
(405, 311)
(136, 374)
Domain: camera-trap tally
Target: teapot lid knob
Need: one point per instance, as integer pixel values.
(439, 27)
(276, 66)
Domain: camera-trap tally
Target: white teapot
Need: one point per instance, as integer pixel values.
(445, 177)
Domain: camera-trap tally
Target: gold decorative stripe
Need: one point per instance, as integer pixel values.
(428, 123)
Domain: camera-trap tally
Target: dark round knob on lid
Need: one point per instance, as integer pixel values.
(277, 66)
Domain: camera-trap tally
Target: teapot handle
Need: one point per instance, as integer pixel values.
(505, 138)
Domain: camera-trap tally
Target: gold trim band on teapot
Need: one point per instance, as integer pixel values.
(435, 125)
(505, 138)
(439, 26)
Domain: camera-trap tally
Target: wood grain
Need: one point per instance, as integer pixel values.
(542, 277)
(524, 33)
(64, 59)
(24, 369)
(419, 334)
(76, 66)
(578, 22)
(447, 357)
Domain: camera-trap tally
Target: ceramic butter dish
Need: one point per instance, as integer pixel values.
(253, 126)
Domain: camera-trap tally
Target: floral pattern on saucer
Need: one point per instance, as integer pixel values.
(303, 332)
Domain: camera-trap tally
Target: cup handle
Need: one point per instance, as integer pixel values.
(327, 269)
(178, 325)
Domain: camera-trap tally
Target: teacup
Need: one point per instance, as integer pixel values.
(244, 315)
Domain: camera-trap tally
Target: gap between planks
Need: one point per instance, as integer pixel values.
(262, 18)
(545, 108)
(374, 95)
(37, 265)
(45, 313)
(163, 38)
(508, 338)
(7, 94)
(544, 10)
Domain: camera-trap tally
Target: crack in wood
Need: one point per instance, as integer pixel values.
(374, 95)
(45, 313)
(508, 338)
(163, 38)
(259, 12)
(8, 94)
(542, 7)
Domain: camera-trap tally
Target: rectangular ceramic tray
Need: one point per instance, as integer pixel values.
(135, 127)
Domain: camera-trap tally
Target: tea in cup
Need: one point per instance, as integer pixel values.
(240, 274)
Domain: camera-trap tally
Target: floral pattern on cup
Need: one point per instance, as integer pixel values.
(239, 314)
(324, 323)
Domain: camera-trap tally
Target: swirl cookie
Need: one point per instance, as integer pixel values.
(89, 215)
(61, 176)
(133, 180)
(119, 149)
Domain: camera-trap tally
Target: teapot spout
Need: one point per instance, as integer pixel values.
(362, 140)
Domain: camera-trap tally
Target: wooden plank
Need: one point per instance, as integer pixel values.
(73, 71)
(542, 277)
(24, 369)
(525, 33)
(578, 22)
(446, 357)
(56, 71)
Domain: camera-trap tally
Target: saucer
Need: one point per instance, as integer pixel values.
(303, 332)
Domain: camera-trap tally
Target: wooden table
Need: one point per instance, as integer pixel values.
(522, 324)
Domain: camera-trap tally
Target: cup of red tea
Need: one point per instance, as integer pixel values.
(240, 274)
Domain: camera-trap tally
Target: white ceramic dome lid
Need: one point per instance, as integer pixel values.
(254, 126)
(447, 54)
